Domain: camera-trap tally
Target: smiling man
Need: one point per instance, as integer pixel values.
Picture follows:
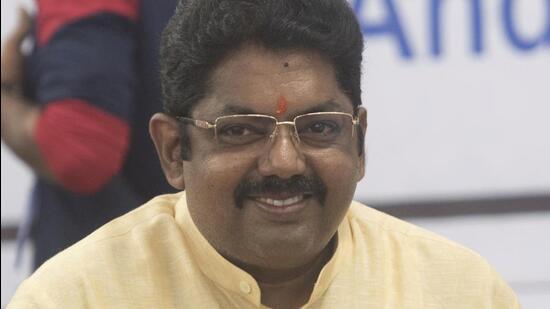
(263, 129)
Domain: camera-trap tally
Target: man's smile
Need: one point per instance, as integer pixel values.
(276, 192)
(284, 207)
(281, 202)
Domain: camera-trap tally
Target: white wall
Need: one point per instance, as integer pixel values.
(463, 124)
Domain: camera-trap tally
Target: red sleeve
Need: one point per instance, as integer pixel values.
(82, 145)
(52, 14)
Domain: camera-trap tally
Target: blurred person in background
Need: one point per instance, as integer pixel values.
(76, 111)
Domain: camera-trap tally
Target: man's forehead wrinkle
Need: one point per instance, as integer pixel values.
(298, 83)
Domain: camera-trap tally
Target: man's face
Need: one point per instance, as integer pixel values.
(256, 232)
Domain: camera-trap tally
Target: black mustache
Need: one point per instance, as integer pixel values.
(274, 185)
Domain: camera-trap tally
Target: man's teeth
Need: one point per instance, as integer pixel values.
(285, 202)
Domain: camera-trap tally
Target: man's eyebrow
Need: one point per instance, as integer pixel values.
(234, 109)
(327, 106)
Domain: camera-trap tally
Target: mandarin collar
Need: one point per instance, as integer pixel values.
(232, 278)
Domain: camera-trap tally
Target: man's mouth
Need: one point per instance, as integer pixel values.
(282, 207)
(281, 202)
(275, 193)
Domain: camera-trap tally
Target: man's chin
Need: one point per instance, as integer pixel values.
(283, 260)
(278, 260)
(285, 250)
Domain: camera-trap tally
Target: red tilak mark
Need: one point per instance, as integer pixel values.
(281, 106)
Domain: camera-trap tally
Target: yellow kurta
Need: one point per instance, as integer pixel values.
(155, 257)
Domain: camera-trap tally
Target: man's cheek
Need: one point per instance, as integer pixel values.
(230, 163)
(335, 167)
(222, 172)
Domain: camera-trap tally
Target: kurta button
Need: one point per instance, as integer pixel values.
(245, 287)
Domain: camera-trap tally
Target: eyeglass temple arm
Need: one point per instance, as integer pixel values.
(198, 123)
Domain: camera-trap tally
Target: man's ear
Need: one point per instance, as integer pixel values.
(362, 116)
(165, 132)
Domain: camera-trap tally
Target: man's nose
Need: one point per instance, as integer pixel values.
(282, 157)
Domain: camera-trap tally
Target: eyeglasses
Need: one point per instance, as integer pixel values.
(319, 130)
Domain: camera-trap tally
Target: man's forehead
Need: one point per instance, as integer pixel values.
(257, 80)
(253, 62)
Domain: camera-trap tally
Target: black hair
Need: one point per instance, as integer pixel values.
(202, 32)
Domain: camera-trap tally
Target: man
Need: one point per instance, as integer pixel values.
(264, 130)
(82, 127)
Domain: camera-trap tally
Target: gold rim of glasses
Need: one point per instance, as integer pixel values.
(204, 124)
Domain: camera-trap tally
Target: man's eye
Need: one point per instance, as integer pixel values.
(235, 130)
(321, 128)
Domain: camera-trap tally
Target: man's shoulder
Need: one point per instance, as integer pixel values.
(406, 238)
(421, 250)
(162, 206)
(110, 259)
(131, 229)
(438, 268)
(384, 225)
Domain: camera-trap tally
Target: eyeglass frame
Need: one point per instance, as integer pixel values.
(204, 124)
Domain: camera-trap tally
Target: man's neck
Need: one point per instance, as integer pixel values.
(291, 288)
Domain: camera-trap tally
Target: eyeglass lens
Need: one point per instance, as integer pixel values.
(319, 130)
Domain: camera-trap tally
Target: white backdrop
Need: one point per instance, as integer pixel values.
(463, 123)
